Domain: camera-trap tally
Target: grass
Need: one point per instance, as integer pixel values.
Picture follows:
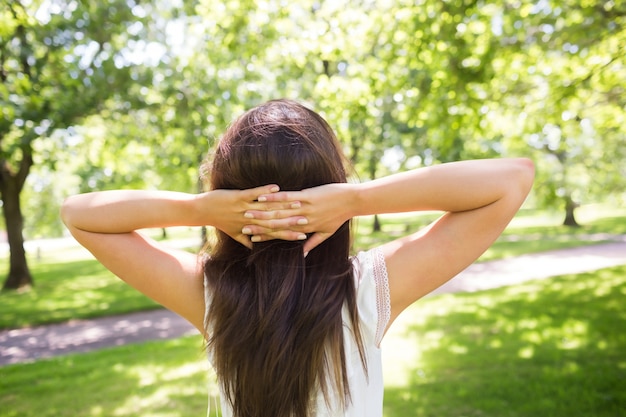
(70, 285)
(69, 290)
(543, 348)
(149, 379)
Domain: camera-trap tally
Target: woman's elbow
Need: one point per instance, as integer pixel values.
(528, 172)
(67, 212)
(524, 175)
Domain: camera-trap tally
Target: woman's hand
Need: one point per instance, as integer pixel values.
(230, 212)
(319, 210)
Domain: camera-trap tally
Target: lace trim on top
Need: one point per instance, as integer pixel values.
(383, 298)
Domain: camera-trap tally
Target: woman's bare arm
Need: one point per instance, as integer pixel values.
(478, 199)
(106, 223)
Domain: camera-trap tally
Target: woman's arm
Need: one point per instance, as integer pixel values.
(106, 223)
(479, 199)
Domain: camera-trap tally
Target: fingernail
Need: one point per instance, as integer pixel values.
(255, 238)
(302, 236)
(305, 254)
(262, 199)
(274, 189)
(302, 222)
(246, 231)
(248, 215)
(295, 205)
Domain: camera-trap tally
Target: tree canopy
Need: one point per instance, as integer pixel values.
(134, 94)
(59, 62)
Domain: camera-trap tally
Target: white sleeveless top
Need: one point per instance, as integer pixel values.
(374, 310)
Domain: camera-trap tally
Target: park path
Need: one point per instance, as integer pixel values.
(30, 344)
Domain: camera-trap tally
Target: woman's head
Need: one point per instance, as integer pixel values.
(280, 142)
(275, 322)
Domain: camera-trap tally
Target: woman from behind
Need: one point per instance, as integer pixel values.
(293, 324)
(274, 319)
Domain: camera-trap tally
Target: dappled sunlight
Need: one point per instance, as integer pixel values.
(458, 349)
(96, 411)
(168, 378)
(574, 334)
(161, 389)
(60, 295)
(151, 373)
(526, 352)
(163, 401)
(518, 345)
(399, 354)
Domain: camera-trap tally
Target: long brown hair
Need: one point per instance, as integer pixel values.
(275, 317)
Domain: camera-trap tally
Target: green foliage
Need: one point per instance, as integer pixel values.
(59, 62)
(404, 84)
(558, 83)
(42, 202)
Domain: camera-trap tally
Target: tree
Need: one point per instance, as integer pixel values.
(559, 80)
(403, 83)
(59, 61)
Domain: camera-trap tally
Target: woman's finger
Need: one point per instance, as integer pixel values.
(279, 196)
(253, 194)
(276, 219)
(273, 226)
(282, 235)
(314, 240)
(244, 240)
(275, 206)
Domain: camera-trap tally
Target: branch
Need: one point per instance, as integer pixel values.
(25, 164)
(3, 73)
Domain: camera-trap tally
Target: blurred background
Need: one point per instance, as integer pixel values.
(109, 94)
(125, 93)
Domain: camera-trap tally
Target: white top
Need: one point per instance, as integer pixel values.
(374, 310)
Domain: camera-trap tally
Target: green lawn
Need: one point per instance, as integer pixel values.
(69, 285)
(553, 347)
(149, 379)
(69, 290)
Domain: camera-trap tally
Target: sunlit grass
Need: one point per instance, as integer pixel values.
(552, 347)
(157, 379)
(71, 284)
(69, 290)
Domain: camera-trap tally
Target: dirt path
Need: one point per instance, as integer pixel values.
(30, 344)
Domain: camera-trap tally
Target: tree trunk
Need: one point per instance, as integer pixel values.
(376, 226)
(570, 206)
(373, 165)
(10, 186)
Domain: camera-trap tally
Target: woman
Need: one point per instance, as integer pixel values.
(293, 324)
